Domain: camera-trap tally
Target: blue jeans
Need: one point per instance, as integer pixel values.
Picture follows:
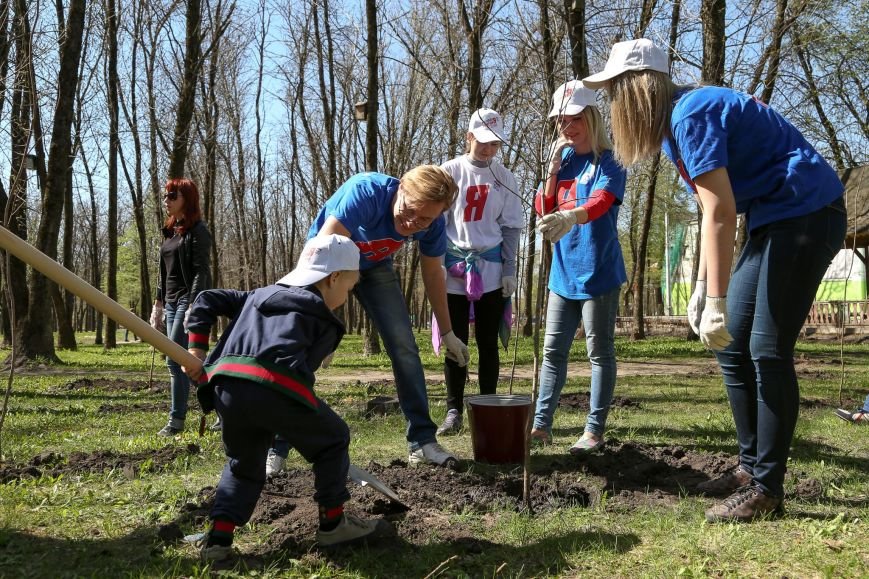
(866, 404)
(563, 316)
(180, 383)
(768, 299)
(380, 294)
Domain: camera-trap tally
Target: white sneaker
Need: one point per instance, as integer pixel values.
(432, 453)
(352, 529)
(274, 464)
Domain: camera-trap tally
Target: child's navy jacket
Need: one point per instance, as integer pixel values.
(278, 337)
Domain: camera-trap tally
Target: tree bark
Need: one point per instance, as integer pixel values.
(187, 97)
(36, 337)
(575, 11)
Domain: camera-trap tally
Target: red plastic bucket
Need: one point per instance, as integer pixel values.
(499, 423)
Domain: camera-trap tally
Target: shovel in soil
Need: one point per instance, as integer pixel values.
(363, 477)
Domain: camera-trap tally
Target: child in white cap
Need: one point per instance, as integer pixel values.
(261, 382)
(483, 227)
(738, 155)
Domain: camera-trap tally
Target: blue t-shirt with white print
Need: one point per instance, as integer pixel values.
(363, 204)
(774, 172)
(587, 262)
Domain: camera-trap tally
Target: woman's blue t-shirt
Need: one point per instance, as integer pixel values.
(587, 262)
(774, 172)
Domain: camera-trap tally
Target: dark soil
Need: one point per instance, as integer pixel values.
(134, 407)
(53, 465)
(113, 385)
(847, 403)
(580, 401)
(630, 474)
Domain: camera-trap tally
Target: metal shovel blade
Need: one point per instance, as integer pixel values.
(364, 477)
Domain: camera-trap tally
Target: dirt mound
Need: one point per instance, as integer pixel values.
(134, 407)
(112, 385)
(580, 401)
(630, 474)
(53, 465)
(847, 403)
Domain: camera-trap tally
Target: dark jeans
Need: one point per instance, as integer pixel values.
(251, 416)
(769, 297)
(488, 312)
(180, 383)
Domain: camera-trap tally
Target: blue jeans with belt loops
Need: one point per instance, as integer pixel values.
(768, 299)
(380, 294)
(563, 316)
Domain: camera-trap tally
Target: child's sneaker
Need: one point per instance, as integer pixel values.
(352, 529)
(432, 453)
(214, 553)
(274, 464)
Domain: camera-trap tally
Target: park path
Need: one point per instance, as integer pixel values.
(687, 366)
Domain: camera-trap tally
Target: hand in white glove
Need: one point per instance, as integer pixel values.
(696, 305)
(157, 318)
(555, 225)
(713, 324)
(555, 152)
(508, 285)
(327, 360)
(456, 349)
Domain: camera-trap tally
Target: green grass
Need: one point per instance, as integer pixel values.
(103, 524)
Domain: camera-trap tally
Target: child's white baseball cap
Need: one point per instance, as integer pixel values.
(638, 54)
(487, 126)
(571, 98)
(322, 255)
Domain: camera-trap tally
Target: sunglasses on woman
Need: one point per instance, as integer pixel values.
(170, 195)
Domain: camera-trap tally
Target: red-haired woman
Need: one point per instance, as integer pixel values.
(185, 270)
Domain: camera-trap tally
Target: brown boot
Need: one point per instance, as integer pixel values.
(726, 484)
(746, 504)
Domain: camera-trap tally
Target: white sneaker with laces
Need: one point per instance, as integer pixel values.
(432, 453)
(274, 464)
(352, 529)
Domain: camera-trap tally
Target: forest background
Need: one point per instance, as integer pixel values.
(263, 104)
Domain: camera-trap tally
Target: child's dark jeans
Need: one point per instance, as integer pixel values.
(252, 414)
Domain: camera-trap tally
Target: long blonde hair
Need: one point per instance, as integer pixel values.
(640, 105)
(597, 136)
(430, 183)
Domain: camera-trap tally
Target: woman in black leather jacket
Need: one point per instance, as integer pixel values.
(185, 270)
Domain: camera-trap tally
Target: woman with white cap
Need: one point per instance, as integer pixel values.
(580, 205)
(739, 156)
(482, 227)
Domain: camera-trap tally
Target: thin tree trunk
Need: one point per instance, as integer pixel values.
(187, 97)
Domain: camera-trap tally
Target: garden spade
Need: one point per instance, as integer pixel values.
(363, 477)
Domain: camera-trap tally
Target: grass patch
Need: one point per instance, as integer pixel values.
(106, 522)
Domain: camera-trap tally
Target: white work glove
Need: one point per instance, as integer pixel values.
(696, 304)
(555, 225)
(508, 285)
(713, 324)
(327, 360)
(456, 349)
(555, 151)
(157, 318)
